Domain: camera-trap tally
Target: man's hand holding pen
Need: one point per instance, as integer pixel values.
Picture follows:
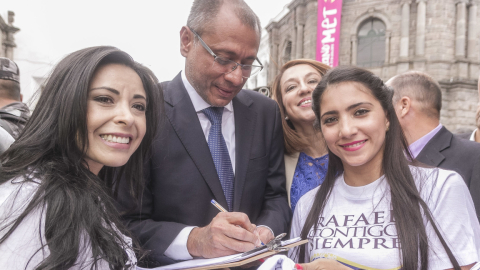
(264, 234)
(228, 233)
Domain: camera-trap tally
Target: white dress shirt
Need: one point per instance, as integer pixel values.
(178, 248)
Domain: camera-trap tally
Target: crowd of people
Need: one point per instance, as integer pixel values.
(114, 169)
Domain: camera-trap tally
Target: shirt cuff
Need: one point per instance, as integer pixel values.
(178, 248)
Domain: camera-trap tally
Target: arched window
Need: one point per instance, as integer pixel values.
(371, 43)
(287, 54)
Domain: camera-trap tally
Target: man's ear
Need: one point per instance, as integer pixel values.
(405, 104)
(186, 41)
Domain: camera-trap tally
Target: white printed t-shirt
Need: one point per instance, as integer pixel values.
(23, 248)
(358, 230)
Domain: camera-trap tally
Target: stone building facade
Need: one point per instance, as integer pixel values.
(7, 40)
(261, 79)
(439, 37)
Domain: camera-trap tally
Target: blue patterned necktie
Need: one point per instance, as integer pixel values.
(219, 151)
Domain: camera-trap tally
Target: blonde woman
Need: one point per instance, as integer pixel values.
(306, 158)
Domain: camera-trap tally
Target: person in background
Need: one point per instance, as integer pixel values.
(94, 122)
(376, 209)
(306, 159)
(220, 142)
(474, 136)
(13, 113)
(417, 101)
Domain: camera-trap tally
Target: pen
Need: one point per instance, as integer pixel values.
(219, 207)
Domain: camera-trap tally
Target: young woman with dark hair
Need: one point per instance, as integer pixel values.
(92, 126)
(306, 158)
(375, 209)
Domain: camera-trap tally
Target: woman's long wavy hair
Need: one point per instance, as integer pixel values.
(409, 209)
(52, 148)
(292, 141)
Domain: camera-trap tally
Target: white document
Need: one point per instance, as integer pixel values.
(216, 261)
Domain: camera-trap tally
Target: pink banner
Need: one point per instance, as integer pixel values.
(328, 31)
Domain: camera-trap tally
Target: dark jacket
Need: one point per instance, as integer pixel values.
(13, 117)
(465, 135)
(450, 152)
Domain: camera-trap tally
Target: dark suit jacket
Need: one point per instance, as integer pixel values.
(465, 135)
(447, 151)
(182, 178)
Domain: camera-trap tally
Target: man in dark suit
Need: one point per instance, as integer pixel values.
(418, 100)
(240, 165)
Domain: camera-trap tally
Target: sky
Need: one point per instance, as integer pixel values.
(146, 29)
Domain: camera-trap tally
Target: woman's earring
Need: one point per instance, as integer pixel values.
(388, 127)
(286, 118)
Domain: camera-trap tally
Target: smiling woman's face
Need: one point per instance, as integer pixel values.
(353, 124)
(116, 121)
(297, 85)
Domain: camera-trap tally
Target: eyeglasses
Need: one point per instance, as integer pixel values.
(226, 65)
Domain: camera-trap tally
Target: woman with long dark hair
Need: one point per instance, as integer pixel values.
(92, 126)
(306, 158)
(375, 209)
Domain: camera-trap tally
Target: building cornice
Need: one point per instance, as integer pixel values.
(459, 83)
(297, 3)
(7, 27)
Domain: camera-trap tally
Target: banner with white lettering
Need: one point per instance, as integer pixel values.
(328, 31)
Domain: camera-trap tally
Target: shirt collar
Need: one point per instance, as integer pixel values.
(472, 137)
(417, 146)
(198, 103)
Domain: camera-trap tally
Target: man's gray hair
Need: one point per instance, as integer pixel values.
(421, 87)
(203, 12)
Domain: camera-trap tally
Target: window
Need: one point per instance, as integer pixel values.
(371, 43)
(287, 55)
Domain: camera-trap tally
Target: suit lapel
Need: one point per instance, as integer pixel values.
(245, 119)
(431, 153)
(183, 118)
